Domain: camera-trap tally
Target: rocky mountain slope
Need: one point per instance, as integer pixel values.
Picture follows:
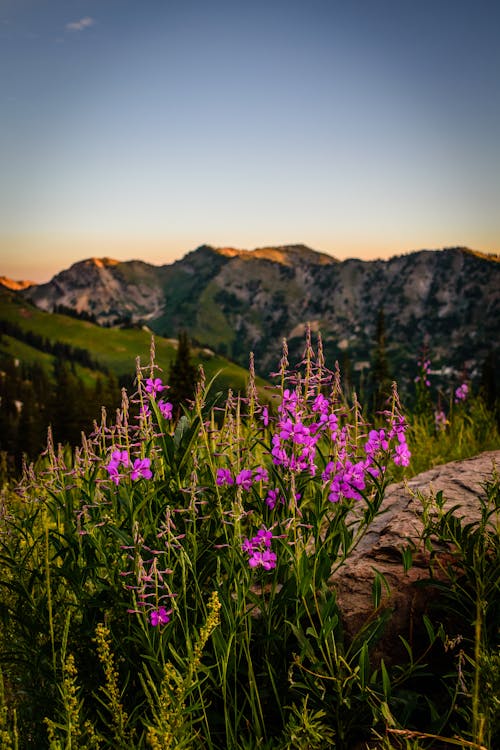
(237, 301)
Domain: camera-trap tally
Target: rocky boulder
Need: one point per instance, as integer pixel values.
(398, 525)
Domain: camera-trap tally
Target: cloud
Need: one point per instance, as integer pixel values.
(81, 25)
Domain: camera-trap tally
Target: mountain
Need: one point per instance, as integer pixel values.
(15, 285)
(237, 301)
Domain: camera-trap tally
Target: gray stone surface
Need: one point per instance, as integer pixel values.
(399, 524)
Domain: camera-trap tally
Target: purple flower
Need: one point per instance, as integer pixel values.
(272, 498)
(260, 474)
(120, 457)
(223, 477)
(265, 416)
(295, 431)
(259, 551)
(244, 479)
(398, 429)
(402, 455)
(321, 404)
(328, 471)
(113, 472)
(263, 536)
(159, 616)
(144, 411)
(278, 453)
(154, 386)
(461, 393)
(377, 442)
(440, 419)
(141, 469)
(348, 481)
(247, 546)
(265, 558)
(425, 372)
(166, 409)
(289, 401)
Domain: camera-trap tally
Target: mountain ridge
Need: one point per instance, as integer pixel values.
(236, 301)
(271, 252)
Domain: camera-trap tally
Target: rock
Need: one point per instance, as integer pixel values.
(399, 524)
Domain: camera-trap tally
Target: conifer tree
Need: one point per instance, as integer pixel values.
(182, 374)
(68, 404)
(380, 381)
(30, 431)
(489, 384)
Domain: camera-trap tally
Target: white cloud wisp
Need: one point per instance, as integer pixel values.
(81, 25)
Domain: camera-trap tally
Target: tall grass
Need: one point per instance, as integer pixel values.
(168, 584)
(468, 429)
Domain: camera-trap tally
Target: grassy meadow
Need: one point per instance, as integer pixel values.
(167, 583)
(113, 348)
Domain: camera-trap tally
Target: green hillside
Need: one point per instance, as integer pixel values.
(113, 348)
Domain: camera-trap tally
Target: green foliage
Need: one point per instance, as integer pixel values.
(9, 736)
(380, 380)
(133, 615)
(31, 401)
(307, 730)
(59, 370)
(113, 349)
(468, 582)
(182, 374)
(470, 429)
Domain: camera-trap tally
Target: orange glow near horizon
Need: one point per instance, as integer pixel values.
(38, 257)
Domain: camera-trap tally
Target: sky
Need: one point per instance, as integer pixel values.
(145, 128)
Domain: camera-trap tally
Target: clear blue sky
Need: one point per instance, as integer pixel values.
(143, 128)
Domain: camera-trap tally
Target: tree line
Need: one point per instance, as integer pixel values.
(30, 400)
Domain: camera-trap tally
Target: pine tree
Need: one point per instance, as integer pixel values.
(489, 384)
(69, 402)
(30, 432)
(380, 381)
(182, 374)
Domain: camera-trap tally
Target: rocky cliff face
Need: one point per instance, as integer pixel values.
(239, 301)
(104, 289)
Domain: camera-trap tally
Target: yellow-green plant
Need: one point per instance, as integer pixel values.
(171, 726)
(9, 735)
(112, 700)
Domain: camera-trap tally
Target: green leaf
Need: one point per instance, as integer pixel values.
(364, 665)
(386, 682)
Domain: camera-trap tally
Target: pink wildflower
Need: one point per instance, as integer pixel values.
(260, 474)
(166, 409)
(159, 616)
(223, 478)
(141, 469)
(154, 386)
(244, 479)
(461, 393)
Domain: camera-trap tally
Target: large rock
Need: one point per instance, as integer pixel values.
(400, 524)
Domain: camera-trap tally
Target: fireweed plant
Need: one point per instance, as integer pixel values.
(447, 423)
(182, 568)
